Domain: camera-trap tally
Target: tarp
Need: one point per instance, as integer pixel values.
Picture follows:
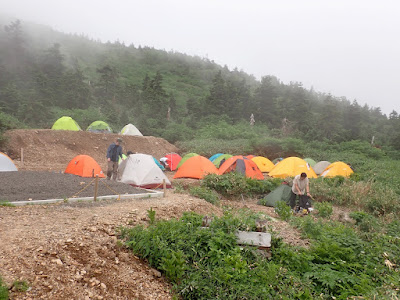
(217, 162)
(185, 158)
(84, 166)
(310, 161)
(292, 166)
(130, 129)
(241, 165)
(321, 166)
(6, 163)
(337, 169)
(196, 167)
(263, 163)
(66, 123)
(281, 193)
(99, 126)
(140, 170)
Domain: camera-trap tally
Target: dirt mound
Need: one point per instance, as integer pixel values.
(46, 149)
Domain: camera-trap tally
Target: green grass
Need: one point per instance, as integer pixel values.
(3, 290)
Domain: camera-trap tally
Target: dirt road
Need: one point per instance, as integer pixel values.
(71, 251)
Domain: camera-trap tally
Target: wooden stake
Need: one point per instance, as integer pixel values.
(22, 157)
(164, 185)
(96, 184)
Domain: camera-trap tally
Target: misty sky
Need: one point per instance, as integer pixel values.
(345, 47)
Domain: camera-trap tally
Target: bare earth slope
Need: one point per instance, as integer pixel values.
(46, 149)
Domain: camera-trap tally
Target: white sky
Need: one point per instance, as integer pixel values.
(345, 47)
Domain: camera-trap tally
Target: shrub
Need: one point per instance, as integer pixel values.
(283, 210)
(325, 209)
(205, 193)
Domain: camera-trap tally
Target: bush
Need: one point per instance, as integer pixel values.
(234, 184)
(283, 210)
(325, 209)
(205, 193)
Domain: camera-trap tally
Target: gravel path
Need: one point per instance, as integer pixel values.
(40, 185)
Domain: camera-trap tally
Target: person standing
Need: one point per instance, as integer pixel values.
(114, 152)
(301, 188)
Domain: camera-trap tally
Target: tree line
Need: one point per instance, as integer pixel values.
(159, 90)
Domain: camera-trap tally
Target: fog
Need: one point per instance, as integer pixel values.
(347, 48)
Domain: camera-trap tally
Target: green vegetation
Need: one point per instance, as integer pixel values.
(283, 210)
(208, 264)
(205, 193)
(6, 203)
(325, 209)
(20, 285)
(3, 290)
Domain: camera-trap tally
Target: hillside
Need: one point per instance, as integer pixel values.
(46, 149)
(45, 74)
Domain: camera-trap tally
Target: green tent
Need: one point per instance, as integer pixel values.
(218, 160)
(311, 162)
(185, 158)
(281, 193)
(66, 123)
(99, 126)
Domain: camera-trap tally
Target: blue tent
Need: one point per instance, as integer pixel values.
(158, 164)
(215, 156)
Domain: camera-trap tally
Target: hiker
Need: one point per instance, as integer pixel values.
(301, 187)
(114, 152)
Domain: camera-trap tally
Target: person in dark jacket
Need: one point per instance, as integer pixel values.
(114, 152)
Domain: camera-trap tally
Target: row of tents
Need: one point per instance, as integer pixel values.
(67, 123)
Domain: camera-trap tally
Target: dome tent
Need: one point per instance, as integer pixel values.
(130, 129)
(310, 161)
(321, 166)
(99, 126)
(66, 123)
(263, 163)
(221, 159)
(196, 167)
(185, 158)
(290, 167)
(242, 165)
(140, 170)
(6, 163)
(337, 169)
(84, 166)
(212, 158)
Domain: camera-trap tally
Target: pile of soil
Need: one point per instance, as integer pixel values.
(46, 149)
(40, 185)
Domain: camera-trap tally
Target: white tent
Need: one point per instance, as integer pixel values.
(141, 170)
(6, 163)
(130, 129)
(321, 166)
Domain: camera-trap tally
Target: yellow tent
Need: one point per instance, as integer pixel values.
(292, 166)
(337, 169)
(263, 163)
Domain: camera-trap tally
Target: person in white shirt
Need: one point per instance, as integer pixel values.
(300, 187)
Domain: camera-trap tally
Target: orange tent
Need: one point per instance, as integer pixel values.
(242, 165)
(84, 166)
(196, 167)
(173, 160)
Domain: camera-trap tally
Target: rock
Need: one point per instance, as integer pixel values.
(57, 261)
(93, 229)
(156, 273)
(69, 241)
(103, 286)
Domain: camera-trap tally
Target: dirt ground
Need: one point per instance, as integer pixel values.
(70, 251)
(52, 150)
(40, 185)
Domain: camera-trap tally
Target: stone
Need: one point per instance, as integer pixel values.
(57, 261)
(103, 286)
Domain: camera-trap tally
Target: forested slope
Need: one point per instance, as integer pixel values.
(45, 74)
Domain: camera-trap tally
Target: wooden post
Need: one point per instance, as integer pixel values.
(96, 184)
(22, 157)
(164, 185)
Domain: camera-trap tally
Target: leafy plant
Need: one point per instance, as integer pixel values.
(21, 285)
(152, 215)
(283, 210)
(325, 209)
